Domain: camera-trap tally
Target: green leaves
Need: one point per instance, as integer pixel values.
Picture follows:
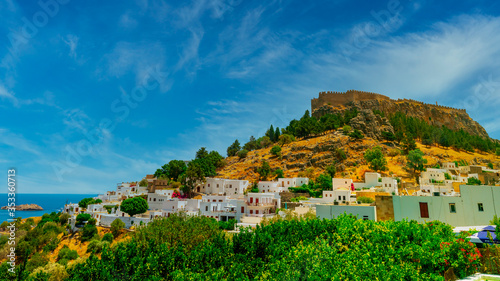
(376, 159)
(134, 206)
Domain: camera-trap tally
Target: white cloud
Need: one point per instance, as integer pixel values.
(7, 94)
(72, 42)
(18, 142)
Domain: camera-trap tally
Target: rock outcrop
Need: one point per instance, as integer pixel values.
(372, 125)
(25, 207)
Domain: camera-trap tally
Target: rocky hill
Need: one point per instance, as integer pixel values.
(312, 155)
(315, 154)
(372, 124)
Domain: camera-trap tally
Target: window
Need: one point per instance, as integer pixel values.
(453, 208)
(154, 199)
(251, 200)
(256, 200)
(242, 210)
(424, 210)
(340, 198)
(344, 198)
(206, 208)
(251, 211)
(257, 212)
(480, 207)
(365, 218)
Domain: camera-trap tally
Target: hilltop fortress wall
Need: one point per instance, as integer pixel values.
(341, 98)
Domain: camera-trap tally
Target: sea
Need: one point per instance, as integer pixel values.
(49, 202)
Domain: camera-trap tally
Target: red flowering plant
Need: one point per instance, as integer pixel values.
(461, 255)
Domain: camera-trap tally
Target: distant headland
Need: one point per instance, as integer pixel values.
(25, 207)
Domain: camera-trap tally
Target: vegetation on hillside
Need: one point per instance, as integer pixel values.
(196, 248)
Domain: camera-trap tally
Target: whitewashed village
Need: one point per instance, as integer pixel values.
(447, 194)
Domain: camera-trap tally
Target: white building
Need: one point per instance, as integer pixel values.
(261, 204)
(341, 183)
(222, 208)
(338, 195)
(227, 187)
(390, 185)
(270, 186)
(292, 182)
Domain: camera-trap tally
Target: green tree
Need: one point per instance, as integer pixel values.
(331, 170)
(376, 159)
(270, 133)
(85, 202)
(276, 150)
(324, 182)
(264, 170)
(194, 174)
(242, 153)
(134, 206)
(490, 165)
(143, 182)
(88, 232)
(82, 217)
(285, 139)
(265, 141)
(233, 149)
(277, 134)
(388, 136)
(116, 226)
(279, 173)
(409, 144)
(63, 218)
(252, 144)
(347, 129)
(498, 151)
(473, 181)
(416, 160)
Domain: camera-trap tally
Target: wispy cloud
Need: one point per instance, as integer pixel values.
(72, 42)
(18, 142)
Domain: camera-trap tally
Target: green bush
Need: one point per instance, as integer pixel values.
(345, 248)
(346, 129)
(364, 199)
(82, 218)
(276, 150)
(116, 226)
(67, 253)
(88, 232)
(227, 225)
(242, 153)
(298, 199)
(108, 237)
(96, 246)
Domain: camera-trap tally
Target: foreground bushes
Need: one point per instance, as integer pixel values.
(182, 248)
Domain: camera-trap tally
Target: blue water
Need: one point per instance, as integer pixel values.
(49, 202)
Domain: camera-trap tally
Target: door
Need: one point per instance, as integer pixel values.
(424, 210)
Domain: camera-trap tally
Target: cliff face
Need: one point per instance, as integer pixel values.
(454, 119)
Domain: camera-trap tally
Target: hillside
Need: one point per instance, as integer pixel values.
(319, 152)
(449, 134)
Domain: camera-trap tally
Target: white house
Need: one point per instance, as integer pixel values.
(341, 183)
(260, 204)
(292, 182)
(269, 186)
(227, 187)
(390, 185)
(222, 208)
(340, 195)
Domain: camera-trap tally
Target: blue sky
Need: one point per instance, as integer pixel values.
(100, 92)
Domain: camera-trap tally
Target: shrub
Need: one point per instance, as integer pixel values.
(242, 153)
(88, 232)
(276, 150)
(63, 218)
(364, 199)
(116, 226)
(498, 151)
(356, 134)
(82, 217)
(298, 199)
(394, 152)
(227, 225)
(92, 221)
(473, 181)
(108, 237)
(96, 246)
(346, 129)
(67, 253)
